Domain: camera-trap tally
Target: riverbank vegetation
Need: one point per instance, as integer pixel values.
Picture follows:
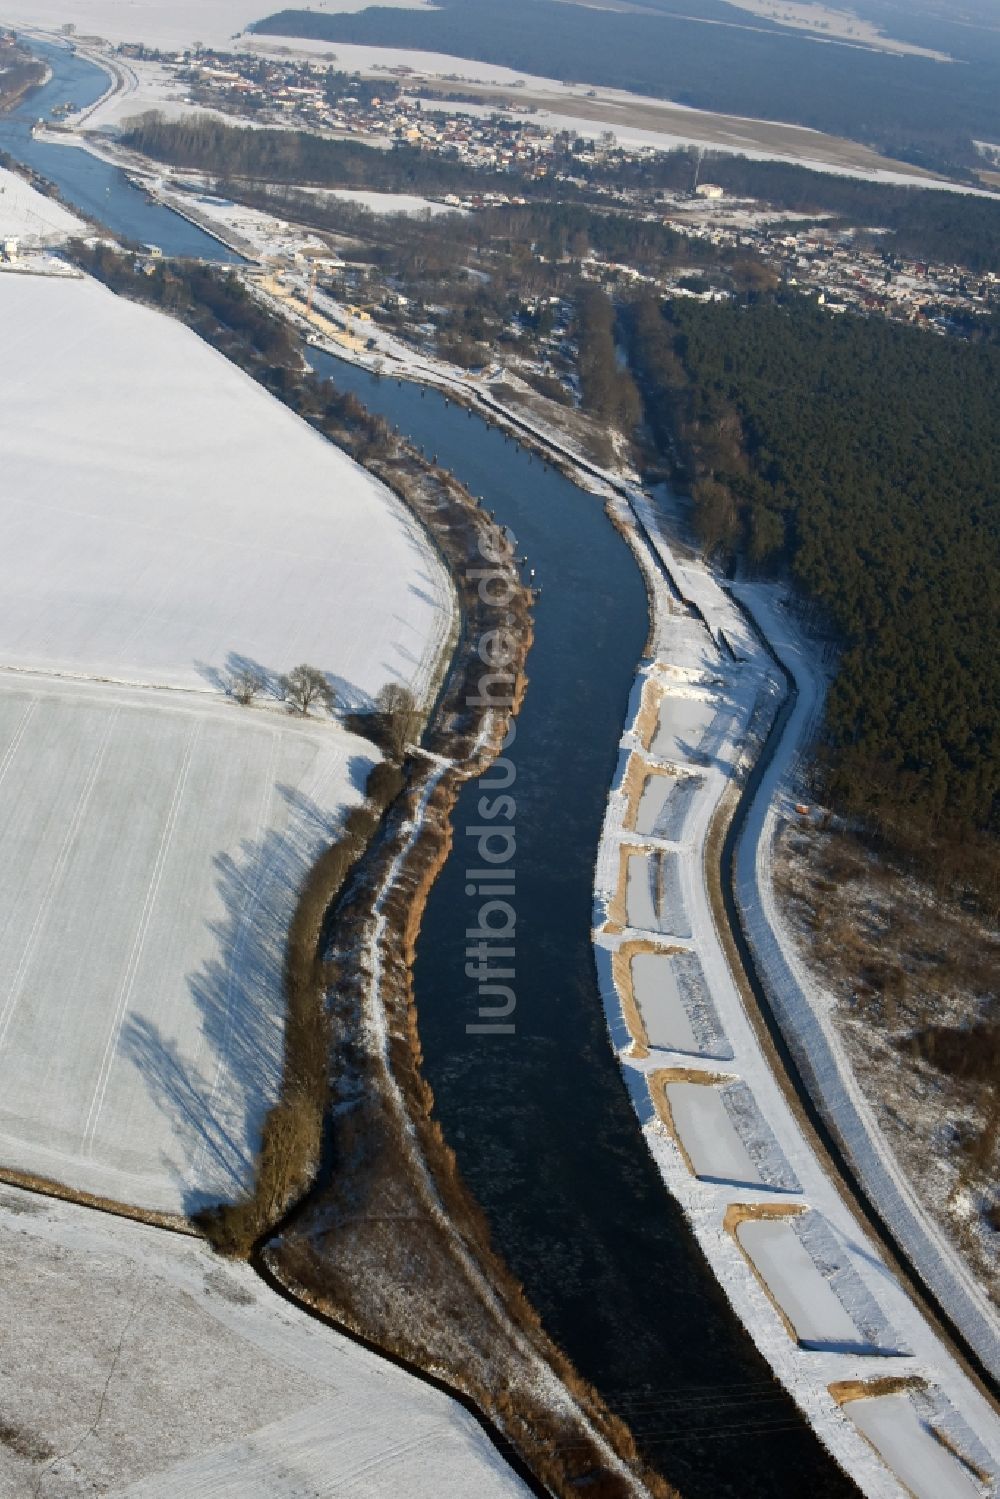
(863, 459)
(389, 1242)
(19, 72)
(913, 977)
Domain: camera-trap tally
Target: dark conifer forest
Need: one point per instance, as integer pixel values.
(864, 459)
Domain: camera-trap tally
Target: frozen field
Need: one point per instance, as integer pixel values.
(161, 23)
(161, 517)
(160, 512)
(135, 1362)
(30, 216)
(152, 851)
(928, 1469)
(675, 1005)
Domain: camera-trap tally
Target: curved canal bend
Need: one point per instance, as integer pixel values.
(540, 1121)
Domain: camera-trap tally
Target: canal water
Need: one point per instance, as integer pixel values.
(540, 1121)
(99, 190)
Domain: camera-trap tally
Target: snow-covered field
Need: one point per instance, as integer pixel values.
(161, 23)
(31, 217)
(161, 512)
(813, 1291)
(382, 203)
(163, 520)
(135, 1362)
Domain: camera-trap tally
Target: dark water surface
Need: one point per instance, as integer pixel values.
(540, 1121)
(97, 189)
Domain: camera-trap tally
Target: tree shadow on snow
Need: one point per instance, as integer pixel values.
(239, 668)
(217, 1093)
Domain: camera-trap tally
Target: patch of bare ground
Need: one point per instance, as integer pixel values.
(589, 437)
(911, 977)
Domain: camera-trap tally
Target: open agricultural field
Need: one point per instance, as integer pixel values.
(162, 521)
(132, 1361)
(31, 217)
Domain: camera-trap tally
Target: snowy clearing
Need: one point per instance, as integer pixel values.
(706, 1132)
(163, 522)
(682, 727)
(664, 805)
(153, 849)
(793, 1279)
(134, 1361)
(161, 511)
(30, 216)
(407, 203)
(162, 23)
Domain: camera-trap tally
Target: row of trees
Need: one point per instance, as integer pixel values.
(393, 722)
(207, 143)
(864, 459)
(608, 391)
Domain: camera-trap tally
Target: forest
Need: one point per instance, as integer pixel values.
(863, 459)
(920, 110)
(293, 156)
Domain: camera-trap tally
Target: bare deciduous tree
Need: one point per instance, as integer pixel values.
(303, 687)
(245, 683)
(398, 718)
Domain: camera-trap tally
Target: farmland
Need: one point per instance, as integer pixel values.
(211, 1383)
(165, 524)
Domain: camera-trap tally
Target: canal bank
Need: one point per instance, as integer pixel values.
(99, 190)
(539, 1119)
